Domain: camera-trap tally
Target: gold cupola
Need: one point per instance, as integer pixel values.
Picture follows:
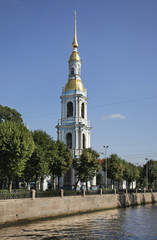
(75, 56)
(74, 81)
(73, 85)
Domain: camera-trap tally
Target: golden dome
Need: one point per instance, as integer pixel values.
(74, 84)
(75, 56)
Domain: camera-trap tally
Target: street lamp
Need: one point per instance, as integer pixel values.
(147, 172)
(106, 162)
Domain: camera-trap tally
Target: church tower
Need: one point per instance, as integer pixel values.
(74, 128)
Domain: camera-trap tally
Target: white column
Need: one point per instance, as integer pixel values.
(76, 138)
(93, 182)
(73, 139)
(75, 109)
(80, 139)
(89, 139)
(86, 110)
(63, 136)
(78, 108)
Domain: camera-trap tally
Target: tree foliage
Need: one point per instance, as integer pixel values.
(87, 166)
(131, 172)
(38, 165)
(142, 177)
(152, 172)
(16, 147)
(115, 168)
(99, 179)
(9, 114)
(61, 160)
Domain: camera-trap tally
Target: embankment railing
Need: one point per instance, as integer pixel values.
(20, 194)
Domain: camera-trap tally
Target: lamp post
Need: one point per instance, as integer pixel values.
(147, 172)
(106, 162)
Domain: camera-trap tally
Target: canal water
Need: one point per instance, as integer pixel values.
(119, 224)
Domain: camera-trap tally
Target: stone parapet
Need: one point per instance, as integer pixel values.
(25, 209)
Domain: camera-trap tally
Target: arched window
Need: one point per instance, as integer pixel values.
(72, 71)
(82, 110)
(69, 140)
(83, 141)
(70, 109)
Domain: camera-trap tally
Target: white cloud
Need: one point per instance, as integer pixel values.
(114, 116)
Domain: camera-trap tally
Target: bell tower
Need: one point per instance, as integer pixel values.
(74, 128)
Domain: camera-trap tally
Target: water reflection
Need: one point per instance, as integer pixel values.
(131, 223)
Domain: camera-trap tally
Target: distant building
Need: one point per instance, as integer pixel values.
(114, 184)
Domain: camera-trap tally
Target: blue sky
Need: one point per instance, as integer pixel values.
(118, 47)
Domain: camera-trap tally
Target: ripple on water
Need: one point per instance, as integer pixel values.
(137, 223)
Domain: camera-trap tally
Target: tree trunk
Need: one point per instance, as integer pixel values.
(27, 184)
(86, 185)
(36, 184)
(52, 182)
(10, 184)
(58, 182)
(41, 186)
(77, 183)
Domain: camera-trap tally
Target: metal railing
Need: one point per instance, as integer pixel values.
(20, 194)
(15, 194)
(41, 194)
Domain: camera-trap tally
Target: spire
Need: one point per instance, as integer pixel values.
(75, 44)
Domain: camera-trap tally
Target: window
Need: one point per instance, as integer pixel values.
(82, 110)
(72, 71)
(69, 140)
(84, 139)
(70, 109)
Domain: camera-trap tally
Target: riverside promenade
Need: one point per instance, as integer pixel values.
(28, 209)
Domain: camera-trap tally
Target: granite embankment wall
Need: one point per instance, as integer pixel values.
(28, 209)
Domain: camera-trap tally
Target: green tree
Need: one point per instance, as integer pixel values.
(38, 165)
(16, 147)
(151, 165)
(99, 179)
(142, 177)
(115, 168)
(61, 161)
(131, 172)
(9, 114)
(87, 166)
